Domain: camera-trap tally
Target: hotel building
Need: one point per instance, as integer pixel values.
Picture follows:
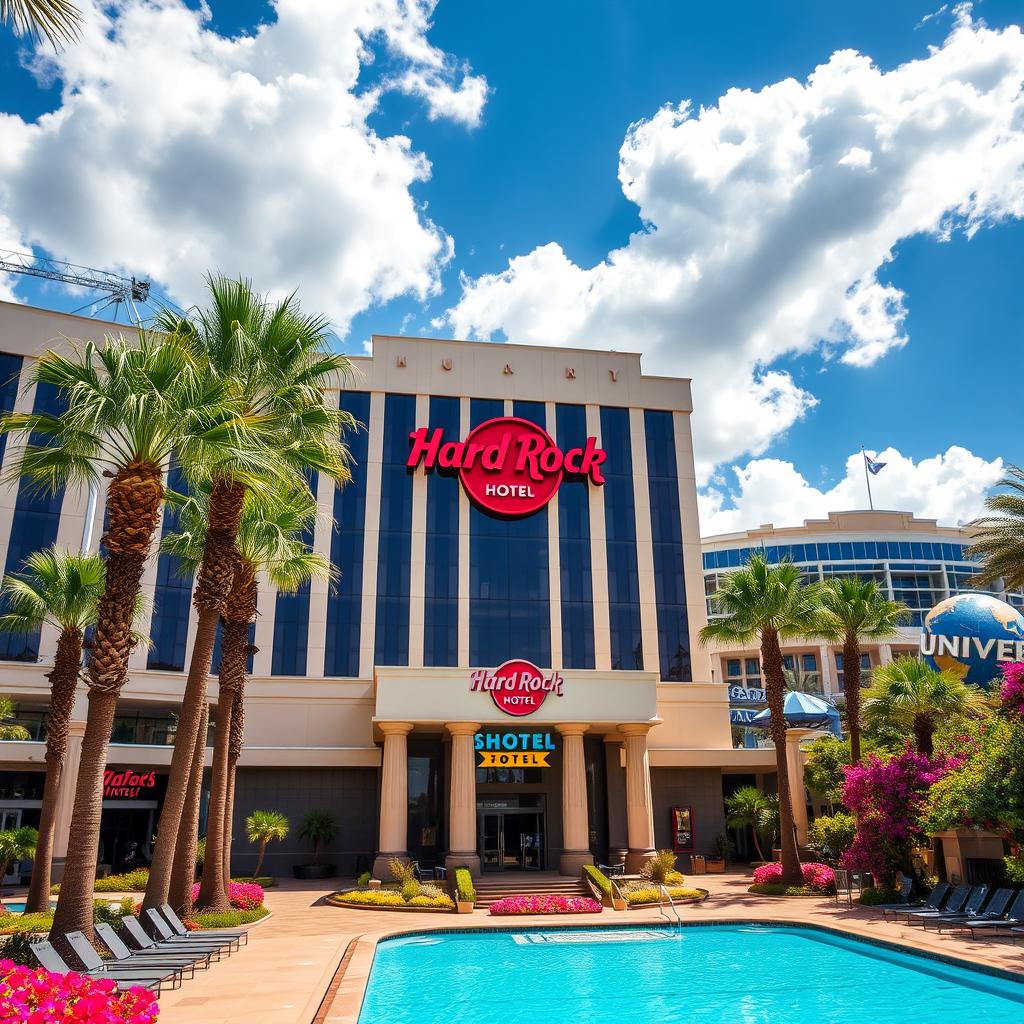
(506, 673)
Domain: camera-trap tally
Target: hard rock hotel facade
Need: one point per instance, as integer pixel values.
(506, 673)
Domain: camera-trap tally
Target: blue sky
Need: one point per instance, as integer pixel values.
(521, 111)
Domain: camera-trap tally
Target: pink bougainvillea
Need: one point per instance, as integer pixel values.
(819, 877)
(243, 895)
(1012, 691)
(888, 799)
(546, 904)
(40, 997)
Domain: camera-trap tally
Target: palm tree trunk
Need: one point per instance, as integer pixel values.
(924, 731)
(757, 844)
(213, 584)
(775, 688)
(212, 890)
(183, 870)
(851, 689)
(133, 505)
(63, 680)
(259, 859)
(234, 753)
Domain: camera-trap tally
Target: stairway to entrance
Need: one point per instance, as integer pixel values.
(490, 888)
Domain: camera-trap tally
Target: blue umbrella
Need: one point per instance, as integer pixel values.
(802, 711)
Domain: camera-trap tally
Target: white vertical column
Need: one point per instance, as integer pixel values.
(417, 558)
(639, 803)
(462, 803)
(12, 452)
(266, 609)
(371, 534)
(394, 797)
(599, 558)
(693, 556)
(316, 638)
(644, 550)
(463, 647)
(554, 559)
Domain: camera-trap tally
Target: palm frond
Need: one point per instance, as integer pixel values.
(56, 21)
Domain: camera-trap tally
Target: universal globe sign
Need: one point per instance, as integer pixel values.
(971, 636)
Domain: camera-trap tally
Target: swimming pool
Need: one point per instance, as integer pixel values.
(749, 974)
(18, 906)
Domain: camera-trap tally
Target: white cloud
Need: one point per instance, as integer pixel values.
(175, 150)
(768, 218)
(950, 487)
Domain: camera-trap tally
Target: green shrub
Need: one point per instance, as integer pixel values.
(1015, 869)
(834, 832)
(442, 901)
(230, 919)
(18, 947)
(674, 878)
(778, 889)
(363, 880)
(373, 897)
(263, 881)
(464, 885)
(599, 878)
(657, 868)
(104, 913)
(27, 924)
(637, 892)
(410, 889)
(876, 894)
(130, 881)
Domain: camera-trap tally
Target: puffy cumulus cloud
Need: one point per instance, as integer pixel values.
(950, 487)
(768, 218)
(175, 150)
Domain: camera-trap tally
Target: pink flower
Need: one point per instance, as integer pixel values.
(39, 997)
(819, 877)
(243, 895)
(546, 904)
(1011, 693)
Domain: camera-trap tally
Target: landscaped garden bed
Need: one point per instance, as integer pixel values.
(546, 903)
(658, 877)
(404, 892)
(819, 880)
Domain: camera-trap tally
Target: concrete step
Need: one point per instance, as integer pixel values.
(492, 888)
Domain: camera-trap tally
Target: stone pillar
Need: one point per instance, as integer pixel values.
(575, 820)
(639, 805)
(66, 798)
(462, 802)
(616, 782)
(394, 797)
(884, 654)
(797, 789)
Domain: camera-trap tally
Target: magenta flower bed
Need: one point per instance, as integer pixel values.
(816, 876)
(39, 997)
(546, 905)
(243, 895)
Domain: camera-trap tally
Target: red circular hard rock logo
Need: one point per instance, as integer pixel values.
(508, 466)
(517, 687)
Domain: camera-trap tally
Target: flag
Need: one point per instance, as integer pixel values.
(874, 468)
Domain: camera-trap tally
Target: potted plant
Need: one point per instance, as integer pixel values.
(723, 851)
(262, 827)
(465, 891)
(319, 827)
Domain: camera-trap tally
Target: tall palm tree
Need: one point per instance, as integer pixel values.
(909, 696)
(271, 540)
(770, 603)
(235, 744)
(57, 21)
(62, 589)
(750, 807)
(131, 403)
(999, 537)
(10, 730)
(858, 610)
(279, 367)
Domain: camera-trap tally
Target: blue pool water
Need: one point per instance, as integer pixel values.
(18, 906)
(747, 974)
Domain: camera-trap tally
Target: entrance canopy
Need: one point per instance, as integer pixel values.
(802, 711)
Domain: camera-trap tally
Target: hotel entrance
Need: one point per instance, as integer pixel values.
(510, 838)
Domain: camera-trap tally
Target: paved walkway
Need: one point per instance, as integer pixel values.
(284, 973)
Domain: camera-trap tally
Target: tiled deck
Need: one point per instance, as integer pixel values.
(284, 973)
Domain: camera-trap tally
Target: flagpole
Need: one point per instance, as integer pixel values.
(867, 477)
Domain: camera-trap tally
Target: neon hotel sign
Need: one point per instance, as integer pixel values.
(509, 467)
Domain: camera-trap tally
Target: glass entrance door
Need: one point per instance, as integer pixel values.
(490, 842)
(511, 840)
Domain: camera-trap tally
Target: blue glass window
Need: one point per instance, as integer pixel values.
(667, 547)
(10, 372)
(291, 616)
(510, 608)
(441, 585)
(33, 526)
(345, 599)
(620, 530)
(394, 546)
(577, 589)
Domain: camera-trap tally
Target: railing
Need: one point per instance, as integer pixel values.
(663, 894)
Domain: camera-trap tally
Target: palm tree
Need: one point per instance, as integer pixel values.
(750, 807)
(63, 590)
(57, 21)
(771, 604)
(271, 539)
(263, 827)
(319, 827)
(909, 696)
(11, 730)
(131, 403)
(999, 537)
(279, 366)
(858, 610)
(16, 844)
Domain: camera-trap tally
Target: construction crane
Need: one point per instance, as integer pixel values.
(126, 291)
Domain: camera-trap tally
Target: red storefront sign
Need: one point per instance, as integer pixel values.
(126, 784)
(518, 687)
(508, 466)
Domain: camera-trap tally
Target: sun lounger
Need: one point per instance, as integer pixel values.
(125, 979)
(904, 902)
(1014, 917)
(182, 961)
(142, 939)
(95, 965)
(954, 904)
(933, 902)
(202, 940)
(972, 910)
(179, 928)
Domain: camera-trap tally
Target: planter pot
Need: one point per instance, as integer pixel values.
(464, 907)
(307, 872)
(618, 904)
(715, 867)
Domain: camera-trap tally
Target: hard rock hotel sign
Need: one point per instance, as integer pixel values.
(509, 467)
(517, 687)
